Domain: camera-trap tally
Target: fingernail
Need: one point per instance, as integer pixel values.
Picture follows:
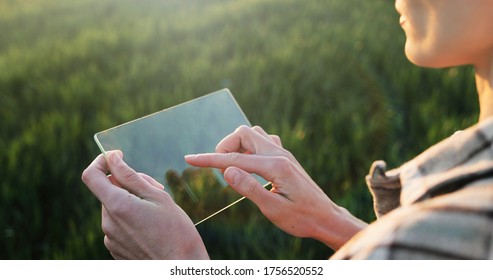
(116, 157)
(232, 175)
(190, 157)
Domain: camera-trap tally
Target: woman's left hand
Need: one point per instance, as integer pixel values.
(140, 220)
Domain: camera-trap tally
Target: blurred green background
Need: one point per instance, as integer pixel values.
(329, 77)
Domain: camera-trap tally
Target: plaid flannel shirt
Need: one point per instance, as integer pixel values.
(437, 206)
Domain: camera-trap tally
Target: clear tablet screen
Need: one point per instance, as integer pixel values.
(156, 145)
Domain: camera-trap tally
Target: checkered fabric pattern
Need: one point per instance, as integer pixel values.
(437, 206)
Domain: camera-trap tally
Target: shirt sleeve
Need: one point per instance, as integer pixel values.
(385, 187)
(454, 226)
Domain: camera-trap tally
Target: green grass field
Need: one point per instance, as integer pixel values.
(330, 77)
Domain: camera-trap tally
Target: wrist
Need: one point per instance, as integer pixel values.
(194, 248)
(182, 242)
(337, 227)
(189, 251)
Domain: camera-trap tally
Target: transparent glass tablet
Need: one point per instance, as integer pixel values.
(156, 145)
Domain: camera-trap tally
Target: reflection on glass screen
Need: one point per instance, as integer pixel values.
(156, 145)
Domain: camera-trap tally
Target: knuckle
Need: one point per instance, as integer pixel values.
(120, 208)
(233, 157)
(166, 198)
(129, 175)
(276, 138)
(243, 129)
(251, 186)
(290, 156)
(106, 228)
(121, 211)
(108, 243)
(256, 127)
(283, 163)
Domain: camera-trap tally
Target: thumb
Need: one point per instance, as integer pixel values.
(128, 178)
(248, 186)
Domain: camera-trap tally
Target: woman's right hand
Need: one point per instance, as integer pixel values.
(295, 203)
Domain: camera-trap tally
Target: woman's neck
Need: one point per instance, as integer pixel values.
(484, 84)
